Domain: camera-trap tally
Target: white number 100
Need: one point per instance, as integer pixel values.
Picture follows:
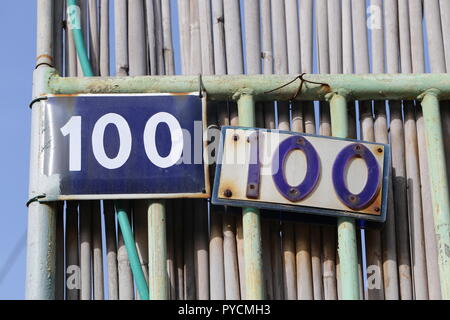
(73, 129)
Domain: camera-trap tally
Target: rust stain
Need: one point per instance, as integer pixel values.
(44, 56)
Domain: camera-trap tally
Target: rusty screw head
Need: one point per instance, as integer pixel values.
(352, 198)
(252, 186)
(301, 141)
(228, 193)
(235, 137)
(377, 209)
(380, 150)
(293, 191)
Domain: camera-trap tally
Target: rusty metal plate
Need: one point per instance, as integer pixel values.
(280, 170)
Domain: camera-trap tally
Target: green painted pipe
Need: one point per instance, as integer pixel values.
(73, 14)
(128, 238)
(439, 185)
(358, 87)
(74, 24)
(347, 246)
(251, 224)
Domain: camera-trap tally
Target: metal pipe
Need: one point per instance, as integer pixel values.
(40, 278)
(359, 87)
(254, 279)
(439, 185)
(347, 248)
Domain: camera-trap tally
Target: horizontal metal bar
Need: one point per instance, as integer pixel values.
(357, 87)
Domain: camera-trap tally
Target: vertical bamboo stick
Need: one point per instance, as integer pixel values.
(189, 268)
(97, 251)
(104, 38)
(151, 37)
(235, 65)
(232, 290)
(121, 36)
(85, 249)
(169, 62)
(216, 242)
(159, 37)
(73, 281)
(328, 233)
(59, 273)
(138, 66)
(307, 50)
(179, 259)
(207, 53)
(419, 271)
(418, 66)
(390, 270)
(269, 122)
(398, 156)
(58, 49)
(185, 41)
(373, 237)
(201, 249)
(171, 272)
(111, 249)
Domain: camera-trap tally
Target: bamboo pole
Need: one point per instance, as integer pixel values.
(58, 49)
(419, 270)
(328, 233)
(159, 38)
(169, 62)
(232, 290)
(111, 249)
(185, 41)
(59, 273)
(97, 251)
(389, 251)
(121, 37)
(207, 52)
(171, 273)
(201, 249)
(85, 249)
(292, 45)
(272, 281)
(83, 4)
(73, 281)
(306, 40)
(398, 156)
(188, 237)
(418, 66)
(179, 259)
(138, 66)
(216, 241)
(373, 237)
(104, 38)
(151, 37)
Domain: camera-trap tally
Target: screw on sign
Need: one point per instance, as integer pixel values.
(328, 170)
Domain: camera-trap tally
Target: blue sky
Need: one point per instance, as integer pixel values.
(17, 32)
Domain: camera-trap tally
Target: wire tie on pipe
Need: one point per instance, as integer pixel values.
(35, 199)
(299, 90)
(201, 86)
(36, 100)
(44, 64)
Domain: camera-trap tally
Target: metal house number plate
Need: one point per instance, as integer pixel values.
(281, 170)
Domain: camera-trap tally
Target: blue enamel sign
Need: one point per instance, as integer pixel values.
(123, 146)
(281, 170)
